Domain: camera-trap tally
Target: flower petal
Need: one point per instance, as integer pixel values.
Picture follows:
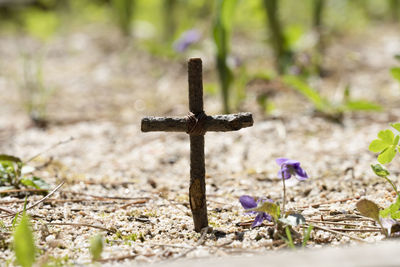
(247, 202)
(258, 220)
(292, 163)
(300, 173)
(286, 173)
(267, 217)
(280, 161)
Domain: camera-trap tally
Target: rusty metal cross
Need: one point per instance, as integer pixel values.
(196, 124)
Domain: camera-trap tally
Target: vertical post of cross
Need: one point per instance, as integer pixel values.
(197, 189)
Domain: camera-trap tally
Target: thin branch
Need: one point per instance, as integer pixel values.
(344, 224)
(50, 148)
(22, 190)
(337, 232)
(7, 210)
(85, 225)
(328, 202)
(105, 197)
(132, 203)
(355, 230)
(37, 202)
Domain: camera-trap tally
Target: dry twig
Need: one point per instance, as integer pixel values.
(85, 225)
(37, 202)
(336, 232)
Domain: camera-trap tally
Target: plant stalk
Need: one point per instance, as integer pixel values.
(284, 194)
(393, 185)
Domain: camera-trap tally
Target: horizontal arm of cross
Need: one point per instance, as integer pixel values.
(217, 123)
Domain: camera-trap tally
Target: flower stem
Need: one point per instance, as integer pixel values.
(394, 187)
(284, 194)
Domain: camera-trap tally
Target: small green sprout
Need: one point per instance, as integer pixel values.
(96, 247)
(14, 173)
(24, 245)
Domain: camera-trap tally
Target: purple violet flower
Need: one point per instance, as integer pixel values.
(186, 39)
(290, 167)
(249, 203)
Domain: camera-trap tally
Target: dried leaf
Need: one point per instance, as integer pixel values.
(368, 209)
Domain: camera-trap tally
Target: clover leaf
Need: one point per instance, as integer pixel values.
(380, 170)
(386, 145)
(395, 73)
(396, 126)
(393, 210)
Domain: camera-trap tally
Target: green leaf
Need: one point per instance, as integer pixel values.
(396, 126)
(363, 105)
(35, 182)
(377, 146)
(395, 73)
(386, 136)
(289, 240)
(380, 170)
(270, 208)
(392, 210)
(396, 140)
(368, 209)
(306, 235)
(293, 219)
(24, 245)
(4, 157)
(96, 247)
(319, 102)
(41, 24)
(387, 155)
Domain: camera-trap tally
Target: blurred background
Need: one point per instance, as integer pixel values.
(65, 61)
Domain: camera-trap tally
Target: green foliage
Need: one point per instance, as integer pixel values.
(170, 19)
(10, 171)
(33, 91)
(307, 235)
(40, 24)
(370, 209)
(35, 182)
(283, 55)
(361, 105)
(386, 145)
(393, 211)
(395, 73)
(310, 93)
(12, 174)
(289, 239)
(123, 14)
(24, 246)
(270, 208)
(322, 104)
(221, 33)
(96, 247)
(379, 170)
(396, 126)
